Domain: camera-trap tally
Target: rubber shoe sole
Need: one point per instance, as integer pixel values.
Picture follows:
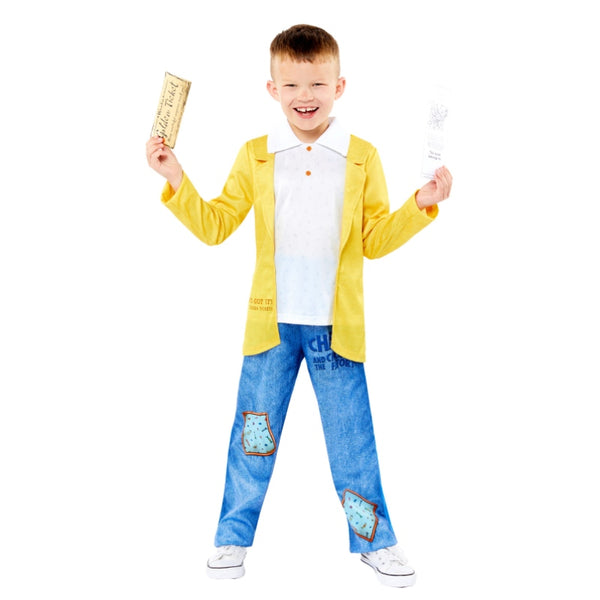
(234, 572)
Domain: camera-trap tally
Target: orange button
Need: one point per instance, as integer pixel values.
(308, 172)
(309, 148)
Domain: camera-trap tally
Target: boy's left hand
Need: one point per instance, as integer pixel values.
(436, 190)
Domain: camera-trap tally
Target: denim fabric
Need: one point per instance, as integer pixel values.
(266, 385)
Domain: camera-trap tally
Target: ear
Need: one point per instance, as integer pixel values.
(272, 89)
(340, 86)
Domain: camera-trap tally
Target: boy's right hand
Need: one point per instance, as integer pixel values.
(162, 159)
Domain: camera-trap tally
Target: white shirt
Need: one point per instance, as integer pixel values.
(309, 197)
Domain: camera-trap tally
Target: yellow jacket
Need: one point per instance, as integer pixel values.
(368, 229)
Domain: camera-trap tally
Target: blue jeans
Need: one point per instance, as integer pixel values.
(265, 388)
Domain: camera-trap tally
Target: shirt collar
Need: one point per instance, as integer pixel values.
(283, 138)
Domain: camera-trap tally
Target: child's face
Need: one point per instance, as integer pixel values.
(306, 92)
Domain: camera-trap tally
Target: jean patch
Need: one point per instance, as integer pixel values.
(361, 515)
(257, 437)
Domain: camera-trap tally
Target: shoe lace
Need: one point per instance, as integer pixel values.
(226, 551)
(391, 555)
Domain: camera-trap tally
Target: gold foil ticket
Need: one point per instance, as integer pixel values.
(170, 108)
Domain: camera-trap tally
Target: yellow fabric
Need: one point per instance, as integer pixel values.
(368, 229)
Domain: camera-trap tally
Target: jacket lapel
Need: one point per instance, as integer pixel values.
(355, 180)
(264, 191)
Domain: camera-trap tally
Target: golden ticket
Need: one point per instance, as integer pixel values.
(170, 108)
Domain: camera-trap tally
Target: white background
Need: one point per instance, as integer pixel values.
(121, 334)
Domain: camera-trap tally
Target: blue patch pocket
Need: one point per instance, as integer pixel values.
(257, 437)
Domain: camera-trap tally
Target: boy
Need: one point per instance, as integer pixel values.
(320, 205)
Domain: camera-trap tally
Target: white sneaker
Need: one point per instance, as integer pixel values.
(227, 563)
(391, 566)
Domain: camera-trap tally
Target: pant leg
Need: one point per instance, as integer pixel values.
(341, 389)
(265, 388)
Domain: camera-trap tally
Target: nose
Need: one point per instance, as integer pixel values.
(305, 93)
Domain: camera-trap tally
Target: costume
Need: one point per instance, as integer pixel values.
(274, 351)
(368, 229)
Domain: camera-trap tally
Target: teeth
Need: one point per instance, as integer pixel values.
(306, 110)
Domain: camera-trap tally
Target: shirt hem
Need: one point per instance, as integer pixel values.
(304, 320)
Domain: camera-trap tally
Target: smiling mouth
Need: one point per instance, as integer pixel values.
(306, 110)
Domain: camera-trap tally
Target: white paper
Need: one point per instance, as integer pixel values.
(435, 134)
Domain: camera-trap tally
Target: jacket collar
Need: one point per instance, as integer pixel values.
(335, 138)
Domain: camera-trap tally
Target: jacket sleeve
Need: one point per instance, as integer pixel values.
(214, 221)
(383, 231)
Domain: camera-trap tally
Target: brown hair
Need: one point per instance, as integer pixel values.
(304, 43)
